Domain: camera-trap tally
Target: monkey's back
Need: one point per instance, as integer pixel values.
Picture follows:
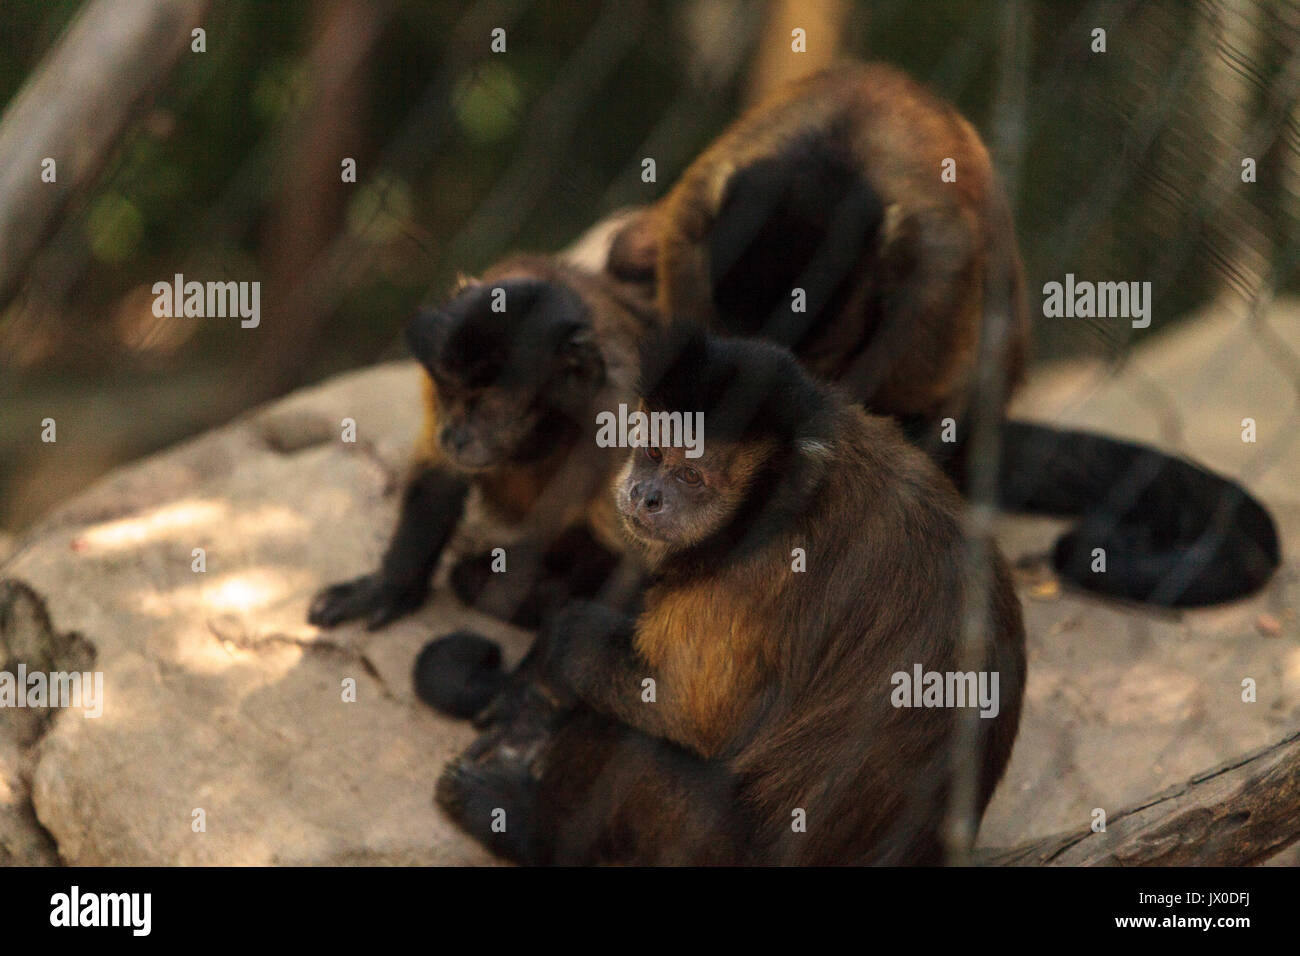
(902, 326)
(882, 592)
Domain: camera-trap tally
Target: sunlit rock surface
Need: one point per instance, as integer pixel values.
(218, 695)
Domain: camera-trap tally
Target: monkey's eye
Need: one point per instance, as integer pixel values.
(653, 453)
(690, 476)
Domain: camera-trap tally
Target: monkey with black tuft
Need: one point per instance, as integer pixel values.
(516, 367)
(749, 694)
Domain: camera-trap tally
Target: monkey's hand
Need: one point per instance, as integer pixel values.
(372, 596)
(587, 655)
(576, 638)
(431, 509)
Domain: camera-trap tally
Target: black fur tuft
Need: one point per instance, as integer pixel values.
(803, 218)
(459, 674)
(746, 388)
(467, 340)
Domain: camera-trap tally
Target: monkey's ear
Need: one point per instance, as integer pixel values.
(580, 356)
(633, 252)
(425, 333)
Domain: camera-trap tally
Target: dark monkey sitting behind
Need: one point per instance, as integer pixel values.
(772, 686)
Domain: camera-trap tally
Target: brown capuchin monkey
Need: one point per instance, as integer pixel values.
(821, 220)
(758, 710)
(818, 220)
(517, 365)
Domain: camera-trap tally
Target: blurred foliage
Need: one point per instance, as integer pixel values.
(190, 188)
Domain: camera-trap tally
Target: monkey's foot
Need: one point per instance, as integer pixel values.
(490, 789)
(492, 804)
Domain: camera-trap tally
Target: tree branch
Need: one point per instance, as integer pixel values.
(1235, 815)
(73, 110)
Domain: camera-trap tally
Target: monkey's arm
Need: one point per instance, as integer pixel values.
(588, 655)
(431, 508)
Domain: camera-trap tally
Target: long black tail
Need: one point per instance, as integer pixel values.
(1170, 532)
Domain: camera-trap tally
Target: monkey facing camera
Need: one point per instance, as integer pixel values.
(747, 715)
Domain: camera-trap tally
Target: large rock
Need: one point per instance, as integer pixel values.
(219, 697)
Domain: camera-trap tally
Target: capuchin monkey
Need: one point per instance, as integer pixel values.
(517, 365)
(820, 220)
(753, 713)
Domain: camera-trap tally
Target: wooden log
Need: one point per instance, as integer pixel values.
(74, 108)
(1237, 814)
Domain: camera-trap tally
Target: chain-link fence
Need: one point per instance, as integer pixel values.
(1139, 142)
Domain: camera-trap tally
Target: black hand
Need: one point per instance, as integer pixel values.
(431, 509)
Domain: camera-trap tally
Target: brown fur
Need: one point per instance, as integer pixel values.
(776, 685)
(823, 644)
(941, 244)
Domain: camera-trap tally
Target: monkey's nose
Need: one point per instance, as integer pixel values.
(654, 500)
(455, 438)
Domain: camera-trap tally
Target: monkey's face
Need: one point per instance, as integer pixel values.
(482, 428)
(669, 502)
(515, 366)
